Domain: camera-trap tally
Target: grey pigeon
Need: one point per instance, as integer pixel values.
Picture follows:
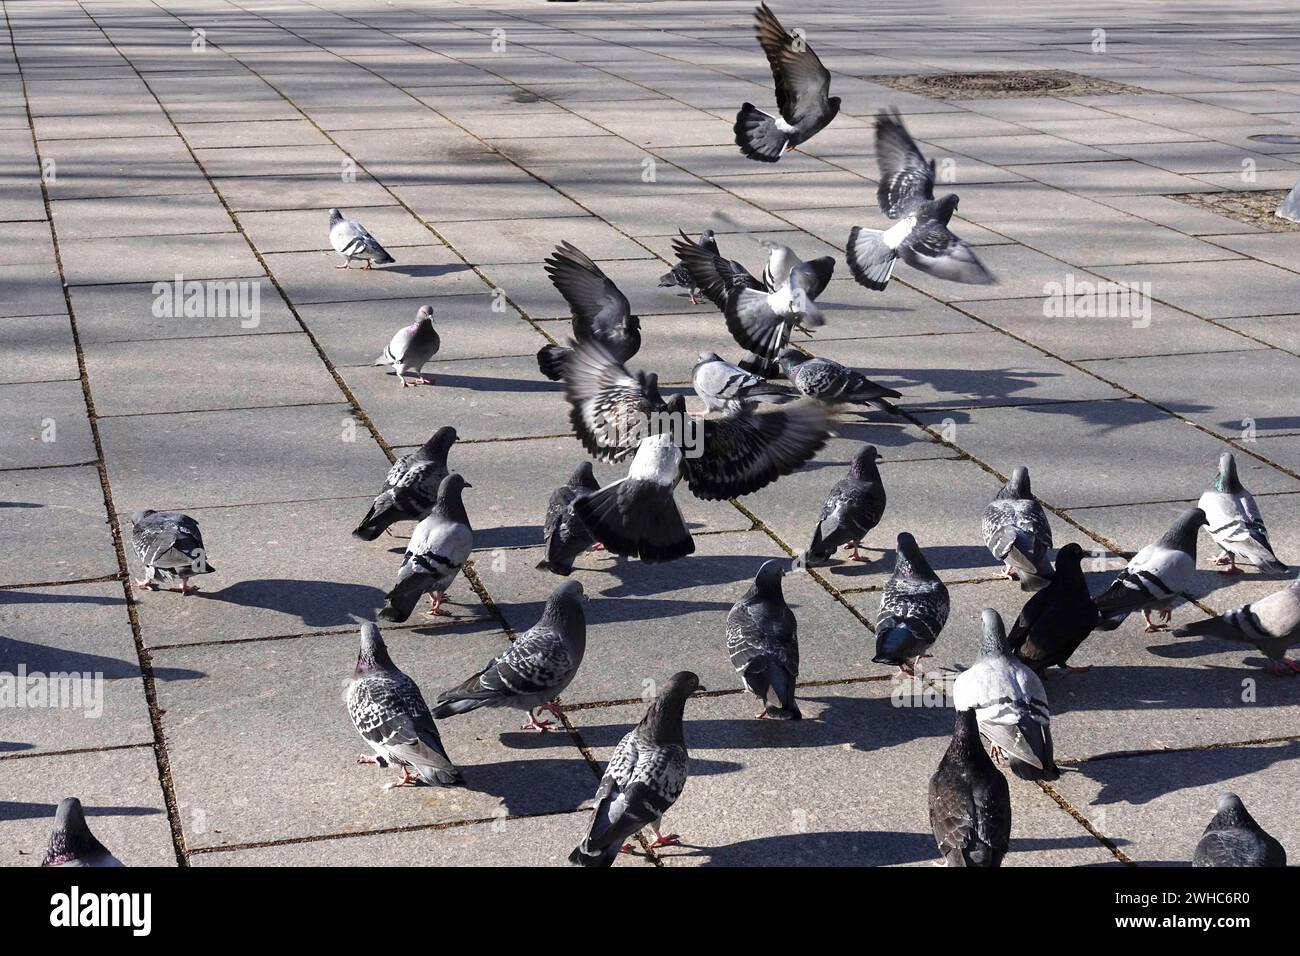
(1155, 577)
(566, 535)
(72, 843)
(913, 609)
(645, 776)
(832, 383)
(761, 321)
(1233, 838)
(1272, 624)
(439, 547)
(389, 712)
(1235, 523)
(763, 642)
(534, 670)
(855, 506)
(1057, 619)
(601, 313)
(802, 88)
(1018, 534)
(170, 547)
(970, 802)
(1290, 208)
(1010, 704)
(714, 275)
(679, 276)
(411, 487)
(727, 387)
(811, 276)
(411, 347)
(351, 241)
(920, 237)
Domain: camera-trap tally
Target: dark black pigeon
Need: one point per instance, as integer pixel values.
(913, 610)
(601, 313)
(1057, 619)
(680, 277)
(715, 276)
(854, 506)
(566, 535)
(72, 843)
(833, 384)
(437, 550)
(763, 641)
(1272, 624)
(1017, 533)
(970, 802)
(170, 547)
(1155, 577)
(411, 487)
(1233, 838)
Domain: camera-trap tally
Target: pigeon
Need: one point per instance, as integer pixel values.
(763, 642)
(411, 487)
(762, 321)
(601, 313)
(680, 277)
(970, 802)
(1057, 619)
(439, 546)
(1235, 523)
(1233, 838)
(802, 85)
(1155, 577)
(1017, 533)
(389, 712)
(644, 778)
(411, 347)
(854, 506)
(727, 387)
(1010, 704)
(617, 415)
(170, 547)
(566, 535)
(715, 276)
(1290, 208)
(72, 843)
(832, 383)
(913, 610)
(534, 670)
(351, 241)
(920, 237)
(782, 262)
(1272, 624)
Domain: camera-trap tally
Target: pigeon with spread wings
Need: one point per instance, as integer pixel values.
(601, 312)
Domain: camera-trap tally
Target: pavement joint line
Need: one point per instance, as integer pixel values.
(1192, 748)
(72, 582)
(1084, 822)
(72, 751)
(1154, 355)
(71, 464)
(231, 408)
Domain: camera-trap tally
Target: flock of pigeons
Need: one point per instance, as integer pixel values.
(768, 415)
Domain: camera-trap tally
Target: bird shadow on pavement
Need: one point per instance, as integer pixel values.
(49, 660)
(58, 597)
(479, 383)
(508, 536)
(1136, 689)
(316, 603)
(1124, 779)
(702, 570)
(943, 558)
(536, 784)
(20, 504)
(417, 271)
(10, 810)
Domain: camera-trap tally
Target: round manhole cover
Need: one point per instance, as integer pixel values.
(1282, 139)
(1001, 82)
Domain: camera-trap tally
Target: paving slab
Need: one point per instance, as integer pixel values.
(43, 424)
(58, 514)
(148, 311)
(39, 348)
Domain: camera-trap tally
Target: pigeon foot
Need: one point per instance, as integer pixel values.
(145, 585)
(408, 779)
(541, 726)
(368, 265)
(346, 265)
(665, 839)
(371, 760)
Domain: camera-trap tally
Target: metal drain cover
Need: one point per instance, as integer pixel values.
(1002, 84)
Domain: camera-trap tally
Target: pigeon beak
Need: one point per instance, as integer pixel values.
(468, 485)
(700, 687)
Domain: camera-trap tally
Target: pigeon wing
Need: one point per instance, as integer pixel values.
(739, 453)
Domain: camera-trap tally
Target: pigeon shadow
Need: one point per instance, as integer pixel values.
(13, 746)
(426, 271)
(637, 579)
(49, 597)
(535, 785)
(12, 810)
(960, 557)
(316, 603)
(1122, 780)
(509, 536)
(39, 658)
(20, 504)
(524, 615)
(477, 383)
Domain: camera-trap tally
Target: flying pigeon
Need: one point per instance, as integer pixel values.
(170, 547)
(1290, 208)
(913, 609)
(763, 642)
(601, 313)
(832, 383)
(410, 347)
(1057, 619)
(680, 277)
(72, 843)
(389, 712)
(727, 387)
(920, 237)
(854, 506)
(411, 487)
(1233, 838)
(1010, 704)
(644, 778)
(1272, 624)
(714, 275)
(534, 670)
(762, 321)
(1235, 523)
(1017, 533)
(782, 262)
(617, 415)
(970, 802)
(1155, 577)
(566, 535)
(802, 85)
(351, 241)
(439, 546)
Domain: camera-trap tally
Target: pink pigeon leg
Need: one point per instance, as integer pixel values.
(541, 726)
(664, 839)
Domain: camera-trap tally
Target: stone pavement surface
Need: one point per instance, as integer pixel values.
(192, 140)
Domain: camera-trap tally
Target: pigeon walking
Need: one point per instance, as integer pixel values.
(601, 313)
(833, 384)
(1010, 704)
(389, 712)
(727, 387)
(411, 487)
(1233, 838)
(680, 277)
(566, 535)
(1235, 523)
(970, 802)
(1018, 534)
(920, 236)
(913, 609)
(1272, 624)
(1155, 578)
(1057, 619)
(802, 88)
(643, 779)
(72, 843)
(351, 241)
(170, 547)
(855, 506)
(439, 547)
(763, 642)
(534, 670)
(411, 347)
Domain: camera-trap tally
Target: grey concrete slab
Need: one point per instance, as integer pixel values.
(312, 277)
(154, 258)
(532, 240)
(197, 213)
(31, 289)
(150, 311)
(39, 349)
(302, 230)
(43, 424)
(1279, 331)
(58, 515)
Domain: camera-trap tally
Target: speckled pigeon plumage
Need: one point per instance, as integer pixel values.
(411, 347)
(970, 802)
(727, 387)
(411, 487)
(170, 546)
(601, 312)
(351, 241)
(1017, 533)
(72, 843)
(763, 643)
(1155, 577)
(1057, 619)
(913, 609)
(1272, 624)
(439, 547)
(1233, 838)
(1234, 522)
(855, 506)
(834, 384)
(566, 535)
